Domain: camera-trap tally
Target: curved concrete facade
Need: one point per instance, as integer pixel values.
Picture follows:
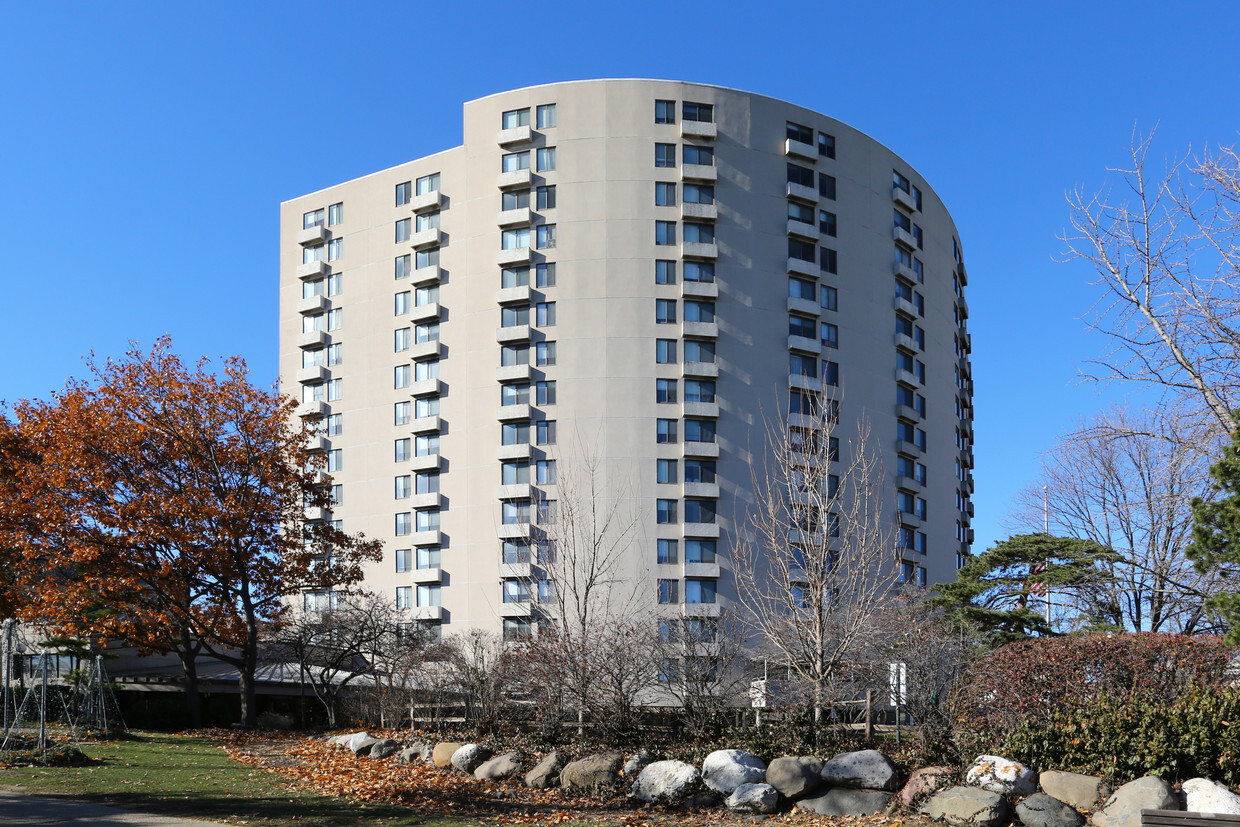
(811, 228)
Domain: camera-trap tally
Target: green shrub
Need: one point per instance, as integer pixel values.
(1125, 737)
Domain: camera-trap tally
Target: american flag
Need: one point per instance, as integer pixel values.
(1037, 586)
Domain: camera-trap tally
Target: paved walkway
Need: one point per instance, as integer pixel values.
(28, 810)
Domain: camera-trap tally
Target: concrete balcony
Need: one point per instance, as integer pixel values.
(519, 451)
(426, 387)
(905, 447)
(517, 255)
(799, 192)
(427, 275)
(962, 274)
(905, 272)
(432, 575)
(425, 312)
(906, 342)
(516, 571)
(699, 129)
(426, 202)
(316, 408)
(903, 237)
(318, 373)
(909, 484)
(517, 179)
(318, 444)
(423, 539)
(312, 339)
(799, 229)
(701, 529)
(705, 330)
(316, 514)
(804, 344)
(313, 304)
(702, 570)
(512, 531)
(704, 289)
(313, 270)
(313, 235)
(699, 172)
(427, 613)
(803, 268)
(701, 489)
(514, 135)
(706, 450)
(905, 306)
(708, 211)
(695, 249)
(426, 238)
(905, 377)
(703, 369)
(513, 373)
(426, 501)
(419, 351)
(425, 425)
(807, 383)
(516, 333)
(801, 150)
(904, 199)
(515, 491)
(908, 412)
(910, 519)
(708, 410)
(513, 218)
(701, 610)
(806, 306)
(523, 609)
(514, 295)
(512, 413)
(428, 462)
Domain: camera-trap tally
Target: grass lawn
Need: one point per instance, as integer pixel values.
(192, 777)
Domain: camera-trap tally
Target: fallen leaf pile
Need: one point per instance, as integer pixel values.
(448, 792)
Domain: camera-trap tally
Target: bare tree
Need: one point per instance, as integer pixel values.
(818, 557)
(1127, 481)
(1166, 253)
(704, 666)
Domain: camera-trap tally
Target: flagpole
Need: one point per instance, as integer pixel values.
(1046, 529)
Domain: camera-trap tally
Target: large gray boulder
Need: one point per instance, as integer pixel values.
(1123, 808)
(866, 769)
(362, 746)
(667, 782)
(594, 773)
(384, 748)
(499, 767)
(846, 801)
(546, 773)
(968, 807)
(1205, 796)
(354, 738)
(1081, 791)
(726, 769)
(1042, 810)
(999, 775)
(795, 777)
(470, 757)
(637, 762)
(753, 798)
(441, 755)
(923, 782)
(410, 754)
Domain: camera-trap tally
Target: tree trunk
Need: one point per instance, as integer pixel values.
(189, 663)
(246, 667)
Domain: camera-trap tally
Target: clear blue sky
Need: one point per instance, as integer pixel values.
(145, 147)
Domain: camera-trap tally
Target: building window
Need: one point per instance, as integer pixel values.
(403, 486)
(310, 255)
(429, 557)
(826, 223)
(700, 470)
(797, 132)
(665, 391)
(403, 193)
(428, 369)
(545, 472)
(546, 116)
(802, 327)
(667, 551)
(826, 186)
(700, 271)
(514, 473)
(826, 145)
(401, 376)
(335, 460)
(802, 250)
(404, 524)
(515, 433)
(516, 239)
(544, 275)
(830, 374)
(664, 271)
(404, 559)
(665, 351)
(515, 161)
(830, 298)
(426, 221)
(312, 219)
(665, 430)
(546, 197)
(665, 155)
(402, 449)
(802, 289)
(516, 200)
(664, 194)
(514, 316)
(401, 413)
(699, 390)
(404, 266)
(404, 597)
(426, 482)
(403, 300)
(515, 118)
(699, 233)
(700, 591)
(515, 512)
(427, 406)
(511, 355)
(800, 212)
(665, 311)
(404, 228)
(514, 394)
(428, 184)
(699, 194)
(702, 112)
(544, 393)
(335, 425)
(335, 319)
(700, 551)
(699, 311)
(799, 365)
(669, 591)
(667, 472)
(700, 155)
(426, 445)
(801, 176)
(545, 237)
(546, 159)
(544, 354)
(830, 261)
(699, 511)
(334, 389)
(699, 351)
(544, 432)
(426, 258)
(667, 511)
(699, 430)
(515, 277)
(430, 595)
(426, 332)
(664, 232)
(830, 335)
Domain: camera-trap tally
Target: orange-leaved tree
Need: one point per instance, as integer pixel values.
(166, 506)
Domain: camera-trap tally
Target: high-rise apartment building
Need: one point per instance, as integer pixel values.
(644, 273)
